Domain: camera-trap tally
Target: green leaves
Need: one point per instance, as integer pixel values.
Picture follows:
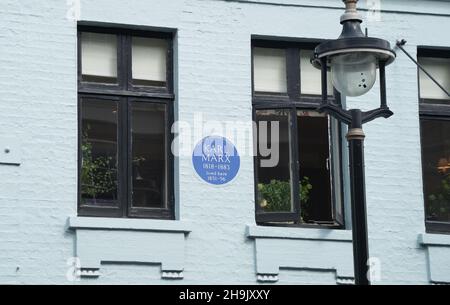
(98, 174)
(438, 205)
(305, 188)
(276, 196)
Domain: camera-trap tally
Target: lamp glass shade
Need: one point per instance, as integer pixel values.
(354, 74)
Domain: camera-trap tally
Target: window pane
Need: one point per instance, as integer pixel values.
(149, 61)
(148, 155)
(436, 168)
(274, 189)
(439, 68)
(336, 186)
(99, 153)
(99, 57)
(310, 77)
(269, 70)
(314, 174)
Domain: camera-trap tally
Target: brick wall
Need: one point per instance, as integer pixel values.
(38, 103)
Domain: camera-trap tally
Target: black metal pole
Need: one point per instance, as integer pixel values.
(355, 137)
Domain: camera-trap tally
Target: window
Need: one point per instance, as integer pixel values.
(434, 110)
(125, 113)
(304, 186)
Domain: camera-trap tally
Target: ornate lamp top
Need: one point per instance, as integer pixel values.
(351, 12)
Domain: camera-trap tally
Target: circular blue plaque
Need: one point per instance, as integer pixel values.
(216, 160)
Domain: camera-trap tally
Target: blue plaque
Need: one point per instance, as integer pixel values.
(216, 160)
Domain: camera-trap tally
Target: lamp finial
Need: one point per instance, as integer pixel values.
(351, 13)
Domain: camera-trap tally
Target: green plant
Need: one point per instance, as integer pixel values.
(276, 196)
(305, 187)
(438, 206)
(97, 173)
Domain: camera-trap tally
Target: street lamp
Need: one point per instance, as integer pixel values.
(353, 60)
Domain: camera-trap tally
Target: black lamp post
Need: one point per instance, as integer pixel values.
(353, 59)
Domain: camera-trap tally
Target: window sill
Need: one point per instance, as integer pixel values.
(299, 248)
(322, 226)
(299, 233)
(438, 247)
(121, 240)
(434, 239)
(132, 224)
(437, 227)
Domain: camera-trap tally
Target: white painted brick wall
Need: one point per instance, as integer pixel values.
(38, 108)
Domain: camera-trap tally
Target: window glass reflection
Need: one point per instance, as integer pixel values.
(148, 155)
(99, 153)
(436, 168)
(274, 188)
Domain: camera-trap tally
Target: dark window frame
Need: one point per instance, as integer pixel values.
(124, 92)
(432, 110)
(293, 100)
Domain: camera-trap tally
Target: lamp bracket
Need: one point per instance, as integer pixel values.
(341, 114)
(382, 112)
(400, 44)
(345, 116)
